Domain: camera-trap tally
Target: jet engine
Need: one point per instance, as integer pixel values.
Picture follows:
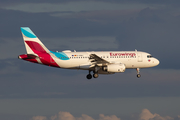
(115, 68)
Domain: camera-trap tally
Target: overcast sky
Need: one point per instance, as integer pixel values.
(37, 92)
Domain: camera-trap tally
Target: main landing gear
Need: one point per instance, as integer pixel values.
(89, 76)
(138, 71)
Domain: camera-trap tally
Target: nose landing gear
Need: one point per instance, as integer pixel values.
(138, 71)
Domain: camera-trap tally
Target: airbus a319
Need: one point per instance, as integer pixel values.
(107, 62)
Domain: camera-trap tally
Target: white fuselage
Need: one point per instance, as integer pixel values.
(131, 59)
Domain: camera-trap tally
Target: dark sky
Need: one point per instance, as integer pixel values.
(149, 26)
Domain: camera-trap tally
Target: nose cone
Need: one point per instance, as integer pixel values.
(157, 62)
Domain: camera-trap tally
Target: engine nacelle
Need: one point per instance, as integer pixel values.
(115, 68)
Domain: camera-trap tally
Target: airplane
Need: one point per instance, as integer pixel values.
(106, 62)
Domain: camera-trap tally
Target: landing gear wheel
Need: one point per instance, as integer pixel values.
(89, 76)
(138, 71)
(95, 75)
(138, 75)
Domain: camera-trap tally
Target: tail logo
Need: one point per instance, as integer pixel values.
(35, 47)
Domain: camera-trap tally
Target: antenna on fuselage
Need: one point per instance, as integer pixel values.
(135, 50)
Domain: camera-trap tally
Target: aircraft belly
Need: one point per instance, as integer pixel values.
(74, 64)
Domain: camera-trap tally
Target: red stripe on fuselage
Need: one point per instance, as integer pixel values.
(46, 59)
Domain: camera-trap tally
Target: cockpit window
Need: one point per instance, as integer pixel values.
(149, 56)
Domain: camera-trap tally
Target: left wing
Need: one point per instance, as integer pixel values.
(96, 60)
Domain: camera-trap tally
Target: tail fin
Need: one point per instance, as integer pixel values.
(32, 43)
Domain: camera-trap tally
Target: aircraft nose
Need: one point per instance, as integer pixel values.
(157, 62)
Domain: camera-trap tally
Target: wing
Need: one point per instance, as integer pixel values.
(96, 60)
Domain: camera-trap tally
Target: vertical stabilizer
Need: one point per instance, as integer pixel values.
(32, 43)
